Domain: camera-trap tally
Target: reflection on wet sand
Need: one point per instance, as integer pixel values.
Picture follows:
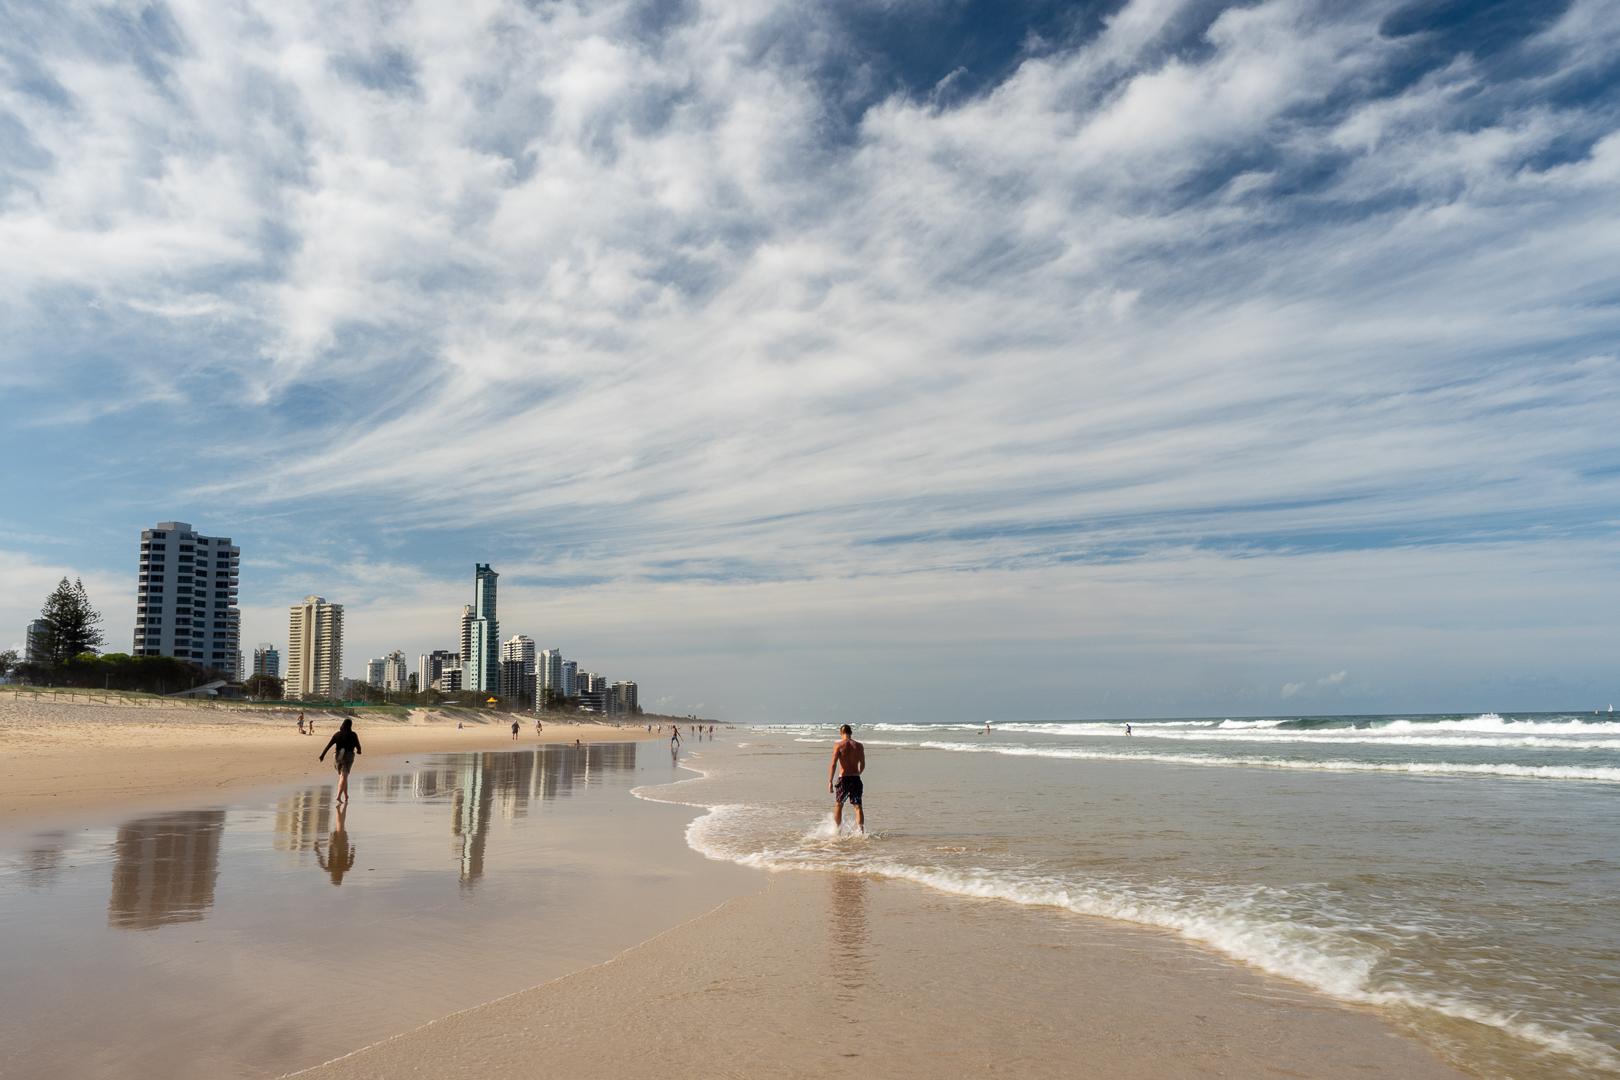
(851, 944)
(475, 785)
(338, 858)
(302, 818)
(165, 868)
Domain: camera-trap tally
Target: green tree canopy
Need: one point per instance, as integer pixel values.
(72, 626)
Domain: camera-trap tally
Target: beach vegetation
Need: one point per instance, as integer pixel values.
(263, 686)
(8, 662)
(69, 626)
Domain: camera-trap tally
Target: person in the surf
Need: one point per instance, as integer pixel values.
(849, 756)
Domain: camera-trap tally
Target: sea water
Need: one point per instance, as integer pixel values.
(1458, 873)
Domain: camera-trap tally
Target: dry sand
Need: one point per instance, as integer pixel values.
(824, 974)
(61, 757)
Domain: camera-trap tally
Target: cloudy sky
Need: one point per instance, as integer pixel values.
(847, 359)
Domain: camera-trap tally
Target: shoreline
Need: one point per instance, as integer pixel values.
(757, 976)
(65, 760)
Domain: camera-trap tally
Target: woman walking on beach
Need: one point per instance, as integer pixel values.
(348, 745)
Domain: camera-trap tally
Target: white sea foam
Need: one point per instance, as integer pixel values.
(1248, 925)
(1597, 773)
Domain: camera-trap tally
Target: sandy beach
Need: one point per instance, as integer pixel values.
(67, 755)
(583, 932)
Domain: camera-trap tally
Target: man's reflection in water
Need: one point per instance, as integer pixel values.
(338, 858)
(851, 945)
(164, 869)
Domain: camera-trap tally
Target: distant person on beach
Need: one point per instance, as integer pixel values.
(987, 727)
(300, 723)
(1127, 729)
(850, 756)
(348, 745)
(538, 727)
(514, 730)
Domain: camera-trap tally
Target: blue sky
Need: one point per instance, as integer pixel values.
(901, 358)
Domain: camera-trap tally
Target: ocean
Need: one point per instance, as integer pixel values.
(1457, 873)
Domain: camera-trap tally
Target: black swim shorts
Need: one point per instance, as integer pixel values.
(849, 787)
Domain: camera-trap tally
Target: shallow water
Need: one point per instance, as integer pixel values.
(278, 930)
(1458, 873)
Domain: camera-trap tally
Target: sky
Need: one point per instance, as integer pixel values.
(897, 359)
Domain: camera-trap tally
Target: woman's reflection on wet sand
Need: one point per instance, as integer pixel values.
(338, 858)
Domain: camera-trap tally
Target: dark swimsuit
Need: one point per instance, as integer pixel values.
(849, 787)
(346, 742)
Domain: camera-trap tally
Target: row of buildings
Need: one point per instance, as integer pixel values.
(186, 607)
(513, 669)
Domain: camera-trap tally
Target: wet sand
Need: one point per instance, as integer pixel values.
(274, 930)
(823, 974)
(65, 759)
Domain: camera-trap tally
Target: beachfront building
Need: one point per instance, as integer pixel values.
(481, 667)
(36, 646)
(466, 635)
(267, 660)
(374, 672)
(517, 669)
(548, 677)
(315, 649)
(431, 666)
(449, 680)
(395, 677)
(593, 701)
(625, 697)
(570, 679)
(185, 603)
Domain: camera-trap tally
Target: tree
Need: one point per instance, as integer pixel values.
(72, 626)
(8, 660)
(263, 686)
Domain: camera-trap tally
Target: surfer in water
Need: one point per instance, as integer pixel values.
(851, 757)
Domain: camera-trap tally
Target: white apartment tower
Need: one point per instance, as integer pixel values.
(570, 678)
(315, 649)
(549, 675)
(395, 677)
(185, 603)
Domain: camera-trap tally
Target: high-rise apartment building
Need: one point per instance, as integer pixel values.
(431, 667)
(570, 678)
(625, 697)
(482, 668)
(517, 669)
(395, 677)
(36, 646)
(548, 674)
(185, 604)
(266, 660)
(466, 635)
(315, 649)
(374, 672)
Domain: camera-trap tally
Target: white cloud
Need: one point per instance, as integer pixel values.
(647, 301)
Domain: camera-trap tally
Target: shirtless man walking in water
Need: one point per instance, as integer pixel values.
(851, 755)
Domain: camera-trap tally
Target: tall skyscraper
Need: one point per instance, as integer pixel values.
(315, 649)
(570, 678)
(185, 604)
(266, 660)
(482, 669)
(625, 697)
(374, 671)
